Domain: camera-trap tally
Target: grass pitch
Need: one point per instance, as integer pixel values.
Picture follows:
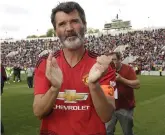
(149, 115)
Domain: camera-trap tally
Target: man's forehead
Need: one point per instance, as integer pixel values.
(114, 56)
(61, 15)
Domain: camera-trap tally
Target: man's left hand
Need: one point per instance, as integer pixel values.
(118, 77)
(99, 68)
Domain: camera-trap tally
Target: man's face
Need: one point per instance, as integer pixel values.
(116, 61)
(70, 29)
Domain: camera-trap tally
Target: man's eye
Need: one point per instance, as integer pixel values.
(61, 24)
(75, 21)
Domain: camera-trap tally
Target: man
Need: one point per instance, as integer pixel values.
(19, 73)
(126, 81)
(9, 74)
(67, 84)
(3, 79)
(15, 73)
(30, 73)
(160, 71)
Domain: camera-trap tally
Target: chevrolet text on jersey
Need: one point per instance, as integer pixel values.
(69, 107)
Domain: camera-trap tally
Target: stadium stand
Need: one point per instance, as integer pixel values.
(146, 48)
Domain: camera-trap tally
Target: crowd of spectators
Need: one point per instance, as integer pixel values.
(146, 45)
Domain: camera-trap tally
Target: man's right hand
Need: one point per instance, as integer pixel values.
(53, 72)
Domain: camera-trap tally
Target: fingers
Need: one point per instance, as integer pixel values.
(100, 67)
(49, 61)
(109, 58)
(54, 63)
(50, 57)
(103, 59)
(49, 64)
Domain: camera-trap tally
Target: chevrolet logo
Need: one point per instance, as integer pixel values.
(70, 96)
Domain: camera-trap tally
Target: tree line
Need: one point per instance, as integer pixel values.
(51, 33)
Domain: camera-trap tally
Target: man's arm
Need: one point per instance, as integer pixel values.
(104, 106)
(102, 96)
(135, 84)
(43, 103)
(131, 80)
(47, 81)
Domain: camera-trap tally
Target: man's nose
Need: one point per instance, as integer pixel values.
(69, 27)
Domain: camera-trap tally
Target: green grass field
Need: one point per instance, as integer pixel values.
(149, 116)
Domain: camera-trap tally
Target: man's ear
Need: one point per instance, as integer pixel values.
(55, 32)
(85, 28)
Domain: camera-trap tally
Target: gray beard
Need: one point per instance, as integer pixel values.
(73, 44)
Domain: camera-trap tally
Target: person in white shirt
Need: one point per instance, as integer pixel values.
(30, 74)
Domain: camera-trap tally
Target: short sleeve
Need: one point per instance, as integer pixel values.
(108, 83)
(41, 83)
(131, 74)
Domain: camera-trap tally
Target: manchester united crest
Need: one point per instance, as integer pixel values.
(85, 79)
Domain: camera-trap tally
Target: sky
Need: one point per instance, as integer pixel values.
(20, 18)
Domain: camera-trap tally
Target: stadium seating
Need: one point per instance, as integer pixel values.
(148, 47)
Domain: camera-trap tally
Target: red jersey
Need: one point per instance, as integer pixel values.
(73, 112)
(126, 99)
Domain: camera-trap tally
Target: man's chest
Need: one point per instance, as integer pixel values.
(76, 78)
(75, 88)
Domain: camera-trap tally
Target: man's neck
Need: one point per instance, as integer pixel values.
(73, 56)
(119, 67)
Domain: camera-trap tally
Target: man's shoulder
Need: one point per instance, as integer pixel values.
(127, 67)
(45, 56)
(92, 54)
(57, 53)
(41, 59)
